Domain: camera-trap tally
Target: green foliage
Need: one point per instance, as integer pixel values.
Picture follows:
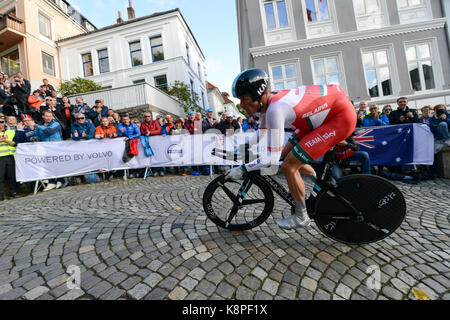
(241, 110)
(78, 86)
(182, 92)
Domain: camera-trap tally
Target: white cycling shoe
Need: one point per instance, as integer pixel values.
(293, 222)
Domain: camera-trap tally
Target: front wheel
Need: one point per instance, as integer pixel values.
(238, 206)
(381, 203)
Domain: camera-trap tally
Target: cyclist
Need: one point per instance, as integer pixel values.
(322, 116)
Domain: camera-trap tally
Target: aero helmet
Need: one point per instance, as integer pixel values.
(251, 81)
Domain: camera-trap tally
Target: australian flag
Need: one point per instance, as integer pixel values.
(397, 145)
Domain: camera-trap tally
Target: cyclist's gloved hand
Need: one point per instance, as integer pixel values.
(235, 173)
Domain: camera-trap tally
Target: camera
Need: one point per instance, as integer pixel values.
(440, 112)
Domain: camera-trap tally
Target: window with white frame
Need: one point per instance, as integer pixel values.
(317, 10)
(326, 71)
(366, 7)
(284, 76)
(103, 60)
(420, 66)
(48, 64)
(192, 89)
(188, 55)
(378, 72)
(157, 48)
(88, 67)
(44, 26)
(276, 14)
(161, 82)
(404, 4)
(136, 54)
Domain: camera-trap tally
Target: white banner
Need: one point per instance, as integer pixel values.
(50, 160)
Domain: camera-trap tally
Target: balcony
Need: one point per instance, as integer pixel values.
(135, 98)
(12, 31)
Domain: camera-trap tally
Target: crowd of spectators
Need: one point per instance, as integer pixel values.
(42, 115)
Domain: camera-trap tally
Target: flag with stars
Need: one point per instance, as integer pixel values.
(396, 145)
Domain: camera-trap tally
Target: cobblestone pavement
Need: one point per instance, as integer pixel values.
(151, 240)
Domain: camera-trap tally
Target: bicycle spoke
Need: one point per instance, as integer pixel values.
(229, 193)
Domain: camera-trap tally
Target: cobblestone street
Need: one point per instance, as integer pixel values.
(151, 240)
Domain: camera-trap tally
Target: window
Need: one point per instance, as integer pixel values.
(11, 63)
(103, 60)
(48, 64)
(420, 66)
(404, 4)
(136, 53)
(188, 55)
(88, 68)
(199, 71)
(139, 81)
(378, 75)
(326, 71)
(367, 7)
(44, 26)
(161, 82)
(317, 10)
(276, 14)
(284, 77)
(192, 89)
(157, 48)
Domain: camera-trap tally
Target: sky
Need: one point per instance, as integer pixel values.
(213, 23)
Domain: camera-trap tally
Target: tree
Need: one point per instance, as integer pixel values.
(182, 92)
(241, 110)
(77, 86)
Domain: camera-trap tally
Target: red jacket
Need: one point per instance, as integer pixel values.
(35, 102)
(153, 127)
(189, 126)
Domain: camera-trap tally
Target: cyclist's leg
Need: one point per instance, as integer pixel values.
(305, 170)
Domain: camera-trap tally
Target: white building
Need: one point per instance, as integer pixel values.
(220, 102)
(158, 49)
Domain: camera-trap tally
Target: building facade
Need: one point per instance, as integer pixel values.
(377, 50)
(158, 49)
(220, 102)
(29, 30)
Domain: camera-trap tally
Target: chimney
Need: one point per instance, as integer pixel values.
(120, 20)
(131, 13)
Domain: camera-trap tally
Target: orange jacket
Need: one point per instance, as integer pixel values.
(35, 102)
(105, 132)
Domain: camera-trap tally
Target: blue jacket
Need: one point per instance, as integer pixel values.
(52, 132)
(369, 120)
(131, 132)
(94, 116)
(434, 123)
(246, 126)
(86, 127)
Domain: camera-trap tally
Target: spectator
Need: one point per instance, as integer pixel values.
(20, 92)
(11, 123)
(42, 92)
(179, 130)
(35, 101)
(112, 122)
(117, 119)
(161, 121)
(128, 129)
(346, 152)
(8, 143)
(250, 123)
(81, 107)
(150, 127)
(54, 95)
(49, 86)
(169, 127)
(4, 91)
(439, 124)
(403, 114)
(82, 129)
(209, 122)
(183, 120)
(361, 113)
(98, 112)
(190, 122)
(374, 119)
(25, 82)
(27, 126)
(110, 113)
(137, 122)
(49, 131)
(387, 109)
(64, 115)
(240, 121)
(426, 115)
(229, 124)
(105, 130)
(50, 104)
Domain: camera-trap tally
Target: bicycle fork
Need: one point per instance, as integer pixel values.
(237, 203)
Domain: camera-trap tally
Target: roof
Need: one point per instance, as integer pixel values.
(225, 97)
(209, 85)
(117, 25)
